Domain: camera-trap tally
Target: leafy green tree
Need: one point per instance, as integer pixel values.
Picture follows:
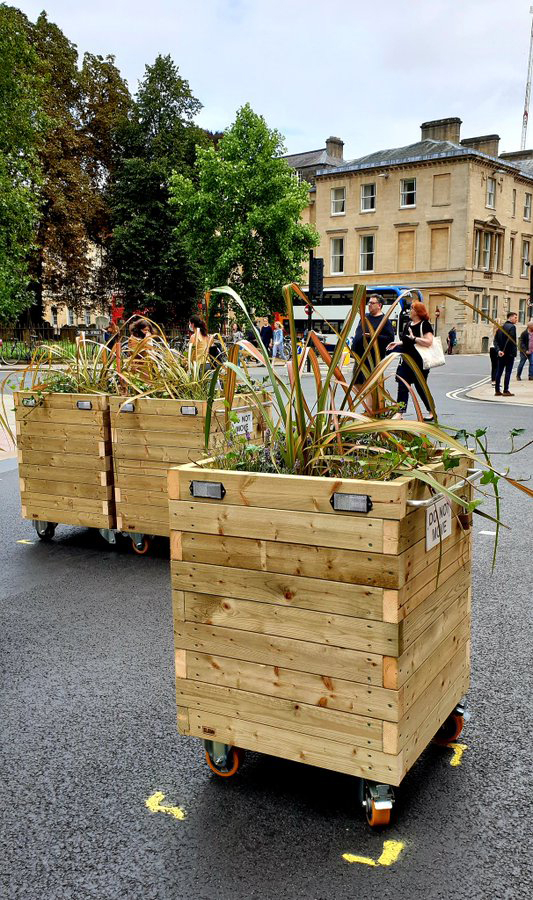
(239, 220)
(160, 137)
(21, 126)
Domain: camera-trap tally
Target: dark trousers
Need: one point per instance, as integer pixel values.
(505, 364)
(494, 358)
(405, 372)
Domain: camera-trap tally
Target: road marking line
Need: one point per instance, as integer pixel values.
(26, 542)
(492, 533)
(458, 750)
(391, 853)
(453, 395)
(154, 804)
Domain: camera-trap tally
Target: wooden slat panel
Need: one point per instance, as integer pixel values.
(78, 504)
(78, 417)
(53, 445)
(288, 590)
(170, 455)
(66, 489)
(278, 525)
(419, 587)
(67, 516)
(454, 670)
(132, 499)
(61, 401)
(293, 559)
(300, 717)
(301, 624)
(62, 432)
(153, 484)
(299, 493)
(437, 717)
(397, 671)
(304, 656)
(333, 755)
(66, 460)
(185, 440)
(141, 467)
(81, 475)
(433, 606)
(415, 686)
(148, 524)
(165, 424)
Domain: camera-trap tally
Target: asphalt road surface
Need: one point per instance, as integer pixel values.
(88, 736)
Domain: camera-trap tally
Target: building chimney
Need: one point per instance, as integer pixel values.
(334, 147)
(487, 143)
(517, 155)
(441, 130)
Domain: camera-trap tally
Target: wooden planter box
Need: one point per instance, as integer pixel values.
(312, 634)
(149, 436)
(64, 453)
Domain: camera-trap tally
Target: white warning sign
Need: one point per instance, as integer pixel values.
(438, 522)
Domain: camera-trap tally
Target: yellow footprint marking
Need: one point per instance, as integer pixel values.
(458, 750)
(154, 804)
(391, 852)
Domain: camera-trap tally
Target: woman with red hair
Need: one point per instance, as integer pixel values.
(418, 333)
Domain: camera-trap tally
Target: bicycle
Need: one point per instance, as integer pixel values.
(12, 351)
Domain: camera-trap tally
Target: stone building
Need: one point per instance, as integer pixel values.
(442, 214)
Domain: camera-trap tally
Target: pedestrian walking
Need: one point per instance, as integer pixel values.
(236, 333)
(526, 351)
(278, 349)
(373, 319)
(505, 341)
(419, 332)
(267, 335)
(451, 339)
(198, 340)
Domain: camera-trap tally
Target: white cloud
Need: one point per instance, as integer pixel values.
(369, 73)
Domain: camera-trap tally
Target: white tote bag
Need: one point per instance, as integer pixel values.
(433, 356)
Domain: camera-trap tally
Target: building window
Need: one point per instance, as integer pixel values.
(70, 316)
(298, 175)
(54, 316)
(408, 192)
(441, 189)
(514, 203)
(525, 258)
(511, 255)
(367, 250)
(440, 238)
(368, 197)
(406, 251)
(338, 201)
(491, 193)
(475, 316)
(337, 256)
(527, 207)
(485, 257)
(522, 308)
(496, 252)
(485, 308)
(494, 307)
(87, 317)
(477, 248)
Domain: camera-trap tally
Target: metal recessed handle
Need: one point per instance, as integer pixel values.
(360, 503)
(189, 411)
(127, 407)
(84, 404)
(207, 490)
(29, 401)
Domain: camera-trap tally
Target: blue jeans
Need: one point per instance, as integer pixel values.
(523, 360)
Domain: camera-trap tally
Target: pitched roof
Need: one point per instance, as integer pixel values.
(312, 158)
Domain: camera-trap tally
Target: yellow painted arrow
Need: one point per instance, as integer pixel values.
(458, 750)
(391, 853)
(155, 804)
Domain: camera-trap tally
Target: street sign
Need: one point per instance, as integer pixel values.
(244, 423)
(438, 522)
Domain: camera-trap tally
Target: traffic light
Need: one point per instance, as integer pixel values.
(316, 278)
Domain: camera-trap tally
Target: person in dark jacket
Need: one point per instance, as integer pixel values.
(526, 352)
(373, 318)
(505, 343)
(266, 335)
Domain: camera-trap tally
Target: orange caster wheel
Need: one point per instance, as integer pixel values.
(450, 729)
(377, 817)
(223, 760)
(377, 801)
(141, 547)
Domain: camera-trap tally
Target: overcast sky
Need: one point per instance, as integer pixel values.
(368, 72)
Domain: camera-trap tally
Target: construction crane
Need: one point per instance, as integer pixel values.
(528, 87)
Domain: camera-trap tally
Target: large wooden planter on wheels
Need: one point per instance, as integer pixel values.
(315, 633)
(149, 436)
(65, 466)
